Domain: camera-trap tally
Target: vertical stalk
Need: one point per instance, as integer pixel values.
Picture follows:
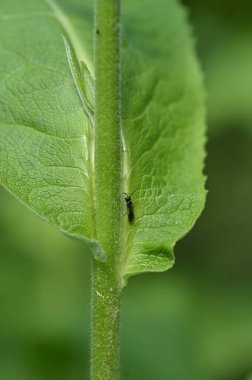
(106, 290)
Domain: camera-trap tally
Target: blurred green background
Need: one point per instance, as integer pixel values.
(192, 322)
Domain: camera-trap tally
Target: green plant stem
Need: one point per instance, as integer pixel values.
(106, 288)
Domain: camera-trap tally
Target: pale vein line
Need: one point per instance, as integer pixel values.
(69, 59)
(64, 21)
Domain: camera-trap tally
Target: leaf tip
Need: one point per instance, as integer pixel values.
(149, 259)
(98, 252)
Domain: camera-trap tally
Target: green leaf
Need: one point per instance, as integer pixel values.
(163, 123)
(45, 134)
(46, 117)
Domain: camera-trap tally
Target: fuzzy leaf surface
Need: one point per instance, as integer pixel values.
(163, 124)
(46, 132)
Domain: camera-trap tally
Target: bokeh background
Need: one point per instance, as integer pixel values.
(193, 322)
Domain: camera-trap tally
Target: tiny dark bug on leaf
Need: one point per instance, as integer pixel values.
(129, 204)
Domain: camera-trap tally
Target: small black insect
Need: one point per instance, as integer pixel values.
(129, 205)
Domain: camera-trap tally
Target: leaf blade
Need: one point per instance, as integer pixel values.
(164, 126)
(161, 86)
(45, 135)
